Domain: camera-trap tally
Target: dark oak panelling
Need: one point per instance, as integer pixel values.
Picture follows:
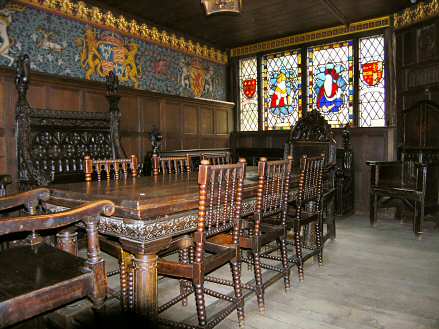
(417, 65)
(184, 122)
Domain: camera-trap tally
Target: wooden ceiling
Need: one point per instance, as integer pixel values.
(260, 19)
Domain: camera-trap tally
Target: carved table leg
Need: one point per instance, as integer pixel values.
(145, 278)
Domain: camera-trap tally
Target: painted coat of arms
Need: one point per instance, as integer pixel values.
(373, 73)
(107, 52)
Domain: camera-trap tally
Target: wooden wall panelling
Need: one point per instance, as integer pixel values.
(66, 99)
(95, 102)
(171, 112)
(130, 125)
(190, 137)
(150, 113)
(417, 65)
(37, 95)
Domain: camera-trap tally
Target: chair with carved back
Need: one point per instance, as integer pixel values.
(171, 165)
(312, 136)
(217, 157)
(37, 277)
(269, 223)
(412, 181)
(308, 210)
(219, 209)
(52, 144)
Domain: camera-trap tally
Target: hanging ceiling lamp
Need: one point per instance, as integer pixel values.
(222, 6)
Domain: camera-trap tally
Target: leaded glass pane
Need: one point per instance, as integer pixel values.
(372, 82)
(330, 82)
(248, 87)
(282, 83)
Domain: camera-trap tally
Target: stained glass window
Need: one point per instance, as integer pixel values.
(248, 87)
(282, 83)
(330, 82)
(371, 85)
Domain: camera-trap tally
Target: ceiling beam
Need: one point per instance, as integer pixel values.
(335, 11)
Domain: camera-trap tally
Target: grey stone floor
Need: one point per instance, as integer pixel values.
(380, 277)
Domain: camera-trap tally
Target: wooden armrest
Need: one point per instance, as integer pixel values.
(383, 163)
(427, 164)
(55, 220)
(29, 199)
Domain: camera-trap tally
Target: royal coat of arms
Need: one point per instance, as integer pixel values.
(198, 78)
(372, 73)
(108, 52)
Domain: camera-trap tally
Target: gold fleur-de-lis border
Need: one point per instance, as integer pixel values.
(415, 14)
(93, 15)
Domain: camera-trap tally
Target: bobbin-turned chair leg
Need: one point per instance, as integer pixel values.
(298, 247)
(258, 282)
(235, 267)
(285, 264)
(183, 255)
(200, 303)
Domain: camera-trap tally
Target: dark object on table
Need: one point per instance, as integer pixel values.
(4, 181)
(156, 139)
(414, 179)
(50, 145)
(38, 278)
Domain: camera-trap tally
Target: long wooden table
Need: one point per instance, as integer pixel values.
(150, 211)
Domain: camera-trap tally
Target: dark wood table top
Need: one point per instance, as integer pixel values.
(142, 198)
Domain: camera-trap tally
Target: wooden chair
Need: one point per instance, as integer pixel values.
(412, 181)
(308, 209)
(38, 278)
(217, 158)
(219, 211)
(113, 168)
(269, 222)
(171, 165)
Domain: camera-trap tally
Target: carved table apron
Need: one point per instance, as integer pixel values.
(150, 211)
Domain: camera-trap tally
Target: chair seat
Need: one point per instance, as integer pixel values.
(38, 279)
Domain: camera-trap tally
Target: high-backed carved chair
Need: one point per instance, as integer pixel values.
(219, 211)
(217, 157)
(171, 165)
(414, 179)
(52, 144)
(312, 136)
(38, 278)
(308, 209)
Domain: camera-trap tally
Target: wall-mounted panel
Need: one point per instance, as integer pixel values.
(65, 99)
(95, 102)
(206, 121)
(221, 122)
(190, 119)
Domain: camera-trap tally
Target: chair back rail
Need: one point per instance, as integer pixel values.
(113, 168)
(220, 200)
(217, 158)
(273, 190)
(52, 144)
(310, 184)
(171, 165)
